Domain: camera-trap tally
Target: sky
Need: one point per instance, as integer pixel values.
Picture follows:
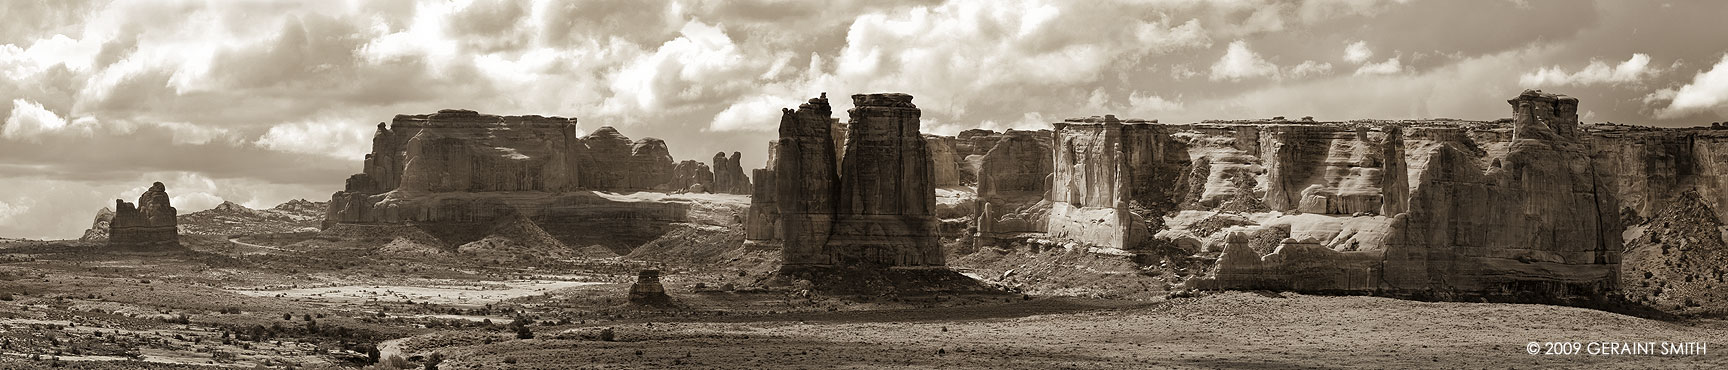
(259, 102)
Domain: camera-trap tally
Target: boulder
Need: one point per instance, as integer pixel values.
(648, 291)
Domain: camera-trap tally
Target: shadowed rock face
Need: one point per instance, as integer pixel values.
(886, 211)
(149, 224)
(874, 209)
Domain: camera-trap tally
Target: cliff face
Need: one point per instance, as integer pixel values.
(149, 224)
(807, 182)
(1112, 181)
(1531, 208)
(1013, 181)
(874, 208)
(458, 174)
(887, 200)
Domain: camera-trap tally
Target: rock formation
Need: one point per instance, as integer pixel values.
(945, 162)
(762, 227)
(647, 289)
(886, 206)
(807, 183)
(875, 208)
(1013, 182)
(729, 175)
(456, 174)
(149, 224)
(229, 218)
(98, 231)
(1112, 181)
(1529, 208)
(690, 176)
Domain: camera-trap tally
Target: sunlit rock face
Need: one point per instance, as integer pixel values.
(149, 224)
(807, 182)
(1110, 177)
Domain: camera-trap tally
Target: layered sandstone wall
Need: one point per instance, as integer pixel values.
(1113, 181)
(1530, 207)
(886, 206)
(866, 201)
(1014, 178)
(465, 151)
(807, 182)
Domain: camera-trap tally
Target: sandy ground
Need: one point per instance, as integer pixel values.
(453, 293)
(1226, 330)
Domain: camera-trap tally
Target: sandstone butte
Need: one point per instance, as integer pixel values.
(150, 224)
(459, 176)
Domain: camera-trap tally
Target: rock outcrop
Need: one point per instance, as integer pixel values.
(457, 174)
(729, 175)
(886, 211)
(229, 218)
(876, 208)
(149, 224)
(98, 231)
(1113, 182)
(648, 291)
(1678, 260)
(1529, 208)
(690, 176)
(807, 182)
(1013, 183)
(945, 161)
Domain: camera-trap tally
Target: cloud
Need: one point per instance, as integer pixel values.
(1390, 66)
(8, 211)
(29, 121)
(1633, 70)
(1240, 63)
(335, 138)
(703, 62)
(1146, 105)
(1357, 52)
(1310, 68)
(759, 113)
(1708, 91)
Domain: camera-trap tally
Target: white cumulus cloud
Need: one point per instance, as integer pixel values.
(29, 121)
(1390, 66)
(1634, 69)
(1239, 63)
(336, 138)
(1357, 52)
(1707, 91)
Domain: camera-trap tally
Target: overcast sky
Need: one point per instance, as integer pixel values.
(262, 102)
